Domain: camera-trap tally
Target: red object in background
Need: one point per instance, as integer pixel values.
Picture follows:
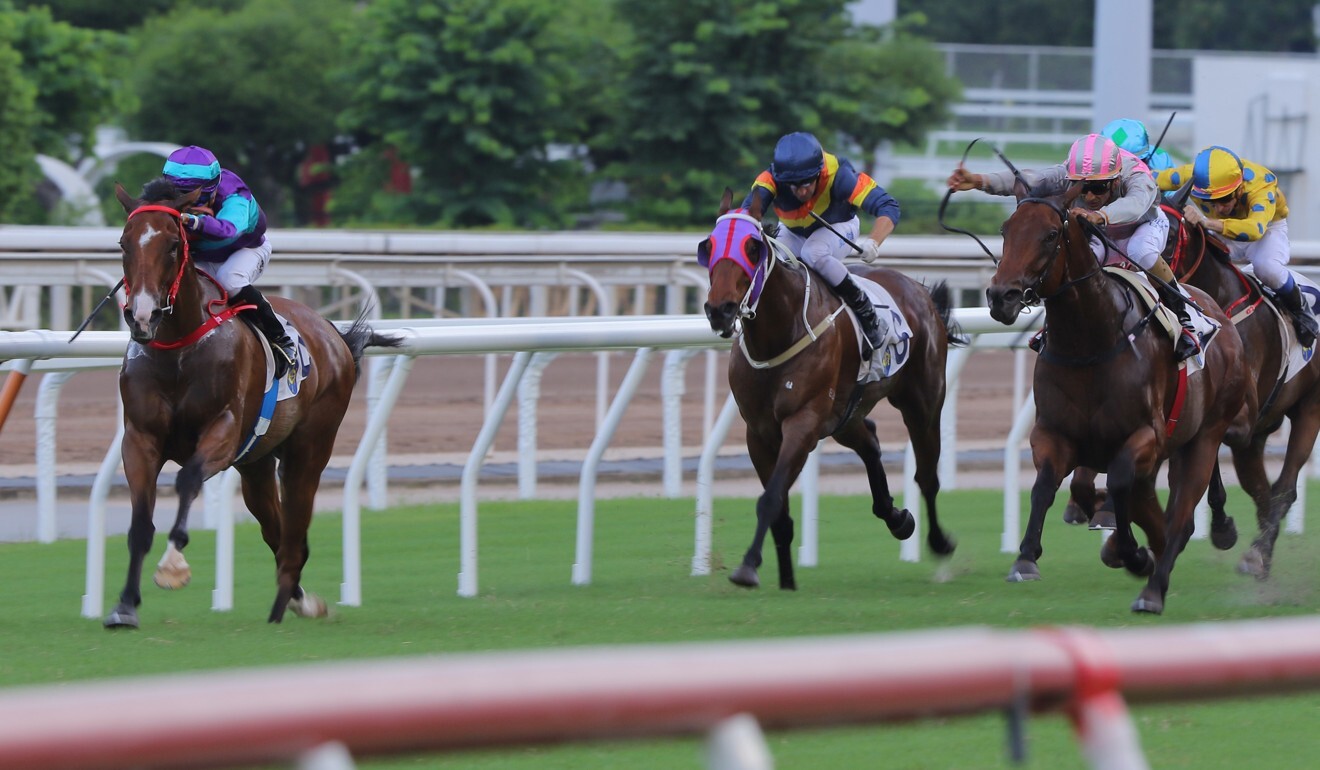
(400, 175)
(316, 175)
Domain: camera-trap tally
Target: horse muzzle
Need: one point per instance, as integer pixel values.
(142, 331)
(722, 317)
(1005, 303)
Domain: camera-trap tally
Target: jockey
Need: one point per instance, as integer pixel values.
(228, 232)
(1117, 193)
(1131, 135)
(802, 179)
(1241, 204)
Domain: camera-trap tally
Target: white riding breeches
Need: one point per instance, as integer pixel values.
(242, 268)
(1144, 245)
(1267, 255)
(823, 250)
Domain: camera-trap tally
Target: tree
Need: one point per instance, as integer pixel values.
(103, 14)
(249, 84)
(890, 86)
(470, 93)
(18, 122)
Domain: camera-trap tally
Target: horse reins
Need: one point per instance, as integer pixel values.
(213, 319)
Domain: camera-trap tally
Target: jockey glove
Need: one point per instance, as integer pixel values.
(870, 250)
(191, 221)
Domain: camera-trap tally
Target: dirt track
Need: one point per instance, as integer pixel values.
(440, 411)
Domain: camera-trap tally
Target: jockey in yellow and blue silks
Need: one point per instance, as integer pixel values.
(802, 179)
(1240, 203)
(228, 236)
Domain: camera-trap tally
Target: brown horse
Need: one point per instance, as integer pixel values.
(1109, 395)
(1202, 262)
(193, 383)
(794, 375)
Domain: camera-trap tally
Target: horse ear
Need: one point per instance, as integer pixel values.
(726, 201)
(125, 200)
(756, 210)
(189, 199)
(1020, 189)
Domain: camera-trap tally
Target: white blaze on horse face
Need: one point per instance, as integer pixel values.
(142, 303)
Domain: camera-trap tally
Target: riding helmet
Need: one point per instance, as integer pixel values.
(798, 157)
(193, 167)
(1094, 157)
(1216, 172)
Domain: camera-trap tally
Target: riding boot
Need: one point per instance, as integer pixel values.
(1303, 320)
(1189, 342)
(856, 299)
(263, 317)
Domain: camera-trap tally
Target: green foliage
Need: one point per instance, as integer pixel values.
(920, 208)
(247, 83)
(467, 91)
(103, 14)
(890, 86)
(71, 70)
(18, 124)
(1220, 25)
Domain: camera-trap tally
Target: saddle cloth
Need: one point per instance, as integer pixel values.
(1298, 356)
(293, 378)
(1205, 326)
(897, 346)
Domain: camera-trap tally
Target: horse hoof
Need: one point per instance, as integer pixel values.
(1023, 571)
(944, 546)
(905, 525)
(745, 576)
(172, 579)
(309, 606)
(1253, 564)
(122, 617)
(788, 585)
(1148, 605)
(1073, 514)
(1224, 537)
(1109, 554)
(1104, 519)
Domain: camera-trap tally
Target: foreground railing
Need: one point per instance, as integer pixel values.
(322, 715)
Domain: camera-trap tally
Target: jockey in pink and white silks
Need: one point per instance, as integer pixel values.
(1118, 194)
(804, 180)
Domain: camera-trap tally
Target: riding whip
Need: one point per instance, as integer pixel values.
(1167, 123)
(96, 310)
(830, 227)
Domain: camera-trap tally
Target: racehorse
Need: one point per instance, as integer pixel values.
(193, 385)
(795, 372)
(1109, 395)
(1202, 262)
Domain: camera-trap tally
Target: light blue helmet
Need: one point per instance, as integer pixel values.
(1129, 135)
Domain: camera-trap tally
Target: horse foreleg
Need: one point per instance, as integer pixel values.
(1223, 530)
(142, 464)
(778, 468)
(1054, 459)
(1131, 485)
(862, 439)
(1305, 422)
(1190, 469)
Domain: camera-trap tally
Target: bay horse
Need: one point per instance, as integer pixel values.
(192, 385)
(1201, 261)
(1109, 395)
(794, 376)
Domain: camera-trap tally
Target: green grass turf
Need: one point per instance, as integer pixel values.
(642, 592)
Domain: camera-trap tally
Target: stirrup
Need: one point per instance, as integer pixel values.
(1187, 346)
(286, 355)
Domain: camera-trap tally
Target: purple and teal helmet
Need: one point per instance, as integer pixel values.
(191, 168)
(798, 158)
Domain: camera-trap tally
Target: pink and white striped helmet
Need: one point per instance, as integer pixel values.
(1094, 157)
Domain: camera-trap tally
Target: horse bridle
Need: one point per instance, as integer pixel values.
(183, 261)
(1031, 297)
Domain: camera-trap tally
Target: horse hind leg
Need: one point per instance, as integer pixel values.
(924, 433)
(1082, 497)
(1283, 493)
(862, 439)
(173, 572)
(305, 459)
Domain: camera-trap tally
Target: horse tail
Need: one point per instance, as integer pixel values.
(359, 336)
(940, 294)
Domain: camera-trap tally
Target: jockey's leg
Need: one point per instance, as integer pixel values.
(263, 317)
(852, 294)
(1290, 296)
(1189, 343)
(1268, 256)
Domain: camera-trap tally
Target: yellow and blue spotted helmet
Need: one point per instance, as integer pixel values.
(1216, 172)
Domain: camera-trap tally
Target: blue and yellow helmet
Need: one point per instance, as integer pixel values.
(1216, 172)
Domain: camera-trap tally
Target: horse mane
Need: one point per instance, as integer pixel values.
(160, 189)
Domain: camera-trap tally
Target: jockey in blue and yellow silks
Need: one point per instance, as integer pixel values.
(802, 179)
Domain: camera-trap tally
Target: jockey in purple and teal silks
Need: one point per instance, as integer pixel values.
(229, 238)
(803, 179)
